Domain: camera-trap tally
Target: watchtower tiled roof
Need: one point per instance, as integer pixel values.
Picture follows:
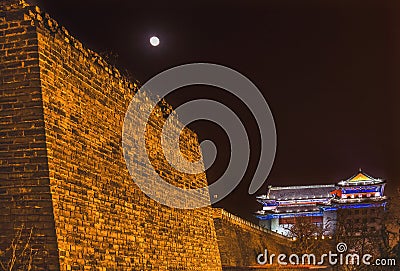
(300, 192)
(360, 178)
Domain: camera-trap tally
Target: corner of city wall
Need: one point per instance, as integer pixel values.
(84, 100)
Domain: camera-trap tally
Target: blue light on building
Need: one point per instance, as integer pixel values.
(319, 203)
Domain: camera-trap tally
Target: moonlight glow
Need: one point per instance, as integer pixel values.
(154, 41)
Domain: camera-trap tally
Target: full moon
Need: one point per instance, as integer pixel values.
(154, 41)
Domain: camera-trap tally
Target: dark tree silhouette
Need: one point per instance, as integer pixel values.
(20, 254)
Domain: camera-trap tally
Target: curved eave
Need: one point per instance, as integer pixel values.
(361, 183)
(361, 178)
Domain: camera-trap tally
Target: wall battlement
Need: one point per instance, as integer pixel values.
(222, 214)
(240, 241)
(43, 20)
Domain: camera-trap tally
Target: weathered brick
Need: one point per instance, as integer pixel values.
(22, 171)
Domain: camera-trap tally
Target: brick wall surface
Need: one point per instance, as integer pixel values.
(25, 198)
(62, 167)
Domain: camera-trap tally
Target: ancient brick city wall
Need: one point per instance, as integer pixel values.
(63, 173)
(68, 153)
(25, 198)
(241, 241)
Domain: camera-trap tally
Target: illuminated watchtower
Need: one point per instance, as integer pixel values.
(357, 200)
(359, 188)
(282, 206)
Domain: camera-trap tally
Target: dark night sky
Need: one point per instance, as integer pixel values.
(328, 69)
